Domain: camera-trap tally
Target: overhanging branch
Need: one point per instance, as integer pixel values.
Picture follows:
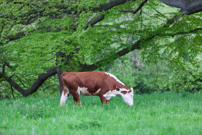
(118, 54)
(37, 13)
(22, 33)
(181, 33)
(134, 11)
(138, 43)
(35, 85)
(65, 9)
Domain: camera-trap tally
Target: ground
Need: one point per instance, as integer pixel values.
(154, 114)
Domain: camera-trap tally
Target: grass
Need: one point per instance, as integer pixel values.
(155, 114)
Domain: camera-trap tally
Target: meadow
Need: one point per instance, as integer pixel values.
(166, 113)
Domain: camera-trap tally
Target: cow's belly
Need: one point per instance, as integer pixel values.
(84, 91)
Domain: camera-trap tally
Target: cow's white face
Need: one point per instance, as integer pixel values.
(64, 97)
(127, 96)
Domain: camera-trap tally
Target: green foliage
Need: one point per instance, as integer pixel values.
(159, 76)
(143, 77)
(187, 77)
(157, 113)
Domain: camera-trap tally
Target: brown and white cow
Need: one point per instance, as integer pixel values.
(102, 84)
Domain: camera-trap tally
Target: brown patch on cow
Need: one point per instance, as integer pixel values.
(129, 91)
(124, 92)
(117, 89)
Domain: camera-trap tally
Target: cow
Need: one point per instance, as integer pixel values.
(102, 84)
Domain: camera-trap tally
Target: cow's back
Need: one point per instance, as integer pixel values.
(92, 80)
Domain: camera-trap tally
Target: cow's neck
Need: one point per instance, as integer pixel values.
(112, 93)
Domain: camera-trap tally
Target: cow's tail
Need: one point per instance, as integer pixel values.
(62, 83)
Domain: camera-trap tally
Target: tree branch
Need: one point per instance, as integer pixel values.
(180, 33)
(118, 54)
(134, 11)
(21, 34)
(37, 13)
(95, 20)
(65, 9)
(109, 5)
(137, 45)
(19, 80)
(8, 65)
(35, 85)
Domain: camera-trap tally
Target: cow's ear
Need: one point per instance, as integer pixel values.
(131, 89)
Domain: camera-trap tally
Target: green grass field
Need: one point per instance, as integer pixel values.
(156, 114)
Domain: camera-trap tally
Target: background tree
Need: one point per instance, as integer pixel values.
(85, 35)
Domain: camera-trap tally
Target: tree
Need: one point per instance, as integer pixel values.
(85, 35)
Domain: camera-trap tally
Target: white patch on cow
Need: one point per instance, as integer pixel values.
(78, 90)
(97, 92)
(127, 98)
(110, 94)
(113, 76)
(84, 91)
(64, 97)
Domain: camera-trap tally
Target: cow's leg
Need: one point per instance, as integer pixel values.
(108, 101)
(77, 101)
(76, 97)
(104, 100)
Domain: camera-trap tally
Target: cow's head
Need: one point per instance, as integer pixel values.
(127, 95)
(64, 97)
